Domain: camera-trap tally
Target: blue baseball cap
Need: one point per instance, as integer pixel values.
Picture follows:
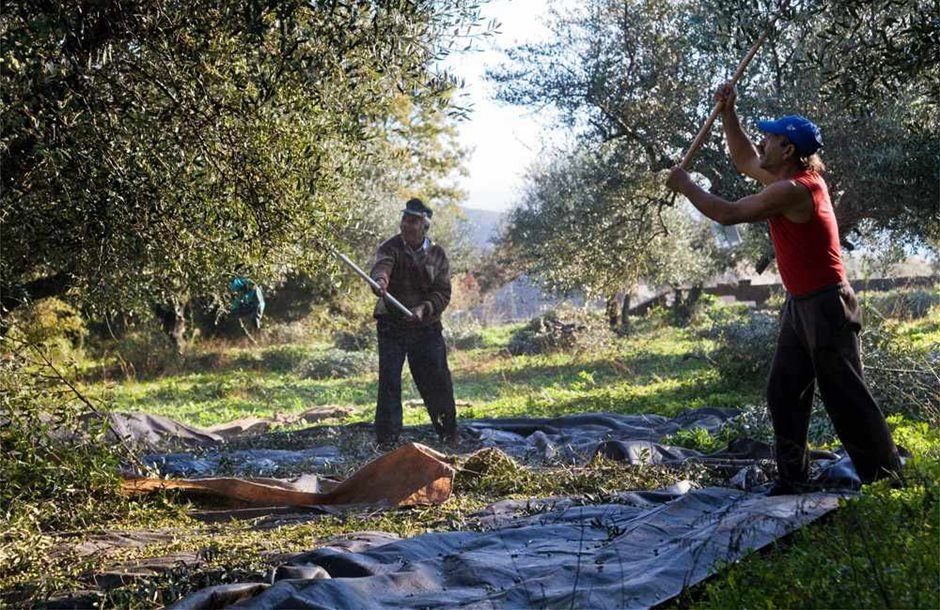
(803, 133)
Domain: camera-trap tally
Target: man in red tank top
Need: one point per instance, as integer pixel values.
(821, 319)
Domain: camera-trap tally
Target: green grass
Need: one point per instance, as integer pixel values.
(204, 399)
(656, 372)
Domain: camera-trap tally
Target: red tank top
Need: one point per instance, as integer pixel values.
(808, 253)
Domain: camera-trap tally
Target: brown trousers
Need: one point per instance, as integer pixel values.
(818, 345)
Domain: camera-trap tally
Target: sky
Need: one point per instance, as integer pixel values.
(503, 139)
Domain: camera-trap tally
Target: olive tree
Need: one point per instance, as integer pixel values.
(590, 221)
(624, 77)
(150, 148)
(641, 73)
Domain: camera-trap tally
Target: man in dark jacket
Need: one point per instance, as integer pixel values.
(416, 272)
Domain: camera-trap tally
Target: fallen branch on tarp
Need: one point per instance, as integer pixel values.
(408, 476)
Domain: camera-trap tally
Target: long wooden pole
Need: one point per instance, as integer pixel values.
(372, 282)
(703, 132)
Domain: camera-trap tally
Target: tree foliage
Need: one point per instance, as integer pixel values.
(638, 77)
(417, 155)
(151, 148)
(581, 225)
(623, 76)
(866, 72)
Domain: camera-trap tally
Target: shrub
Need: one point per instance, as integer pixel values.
(715, 312)
(902, 376)
(53, 325)
(544, 334)
(284, 358)
(561, 330)
(144, 352)
(463, 333)
(744, 345)
(336, 363)
(56, 475)
(355, 341)
(902, 303)
(300, 331)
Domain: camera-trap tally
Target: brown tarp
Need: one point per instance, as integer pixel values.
(410, 475)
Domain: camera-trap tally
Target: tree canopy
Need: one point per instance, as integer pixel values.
(582, 225)
(151, 148)
(639, 75)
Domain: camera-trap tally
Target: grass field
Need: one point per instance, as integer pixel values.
(656, 370)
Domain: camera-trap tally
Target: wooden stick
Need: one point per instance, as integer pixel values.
(703, 132)
(372, 283)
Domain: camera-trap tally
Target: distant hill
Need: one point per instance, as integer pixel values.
(483, 226)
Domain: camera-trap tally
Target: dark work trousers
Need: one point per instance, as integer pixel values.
(818, 344)
(427, 358)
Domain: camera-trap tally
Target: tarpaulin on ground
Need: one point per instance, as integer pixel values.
(410, 475)
(638, 551)
(635, 439)
(155, 431)
(242, 462)
(570, 438)
(143, 429)
(577, 437)
(635, 550)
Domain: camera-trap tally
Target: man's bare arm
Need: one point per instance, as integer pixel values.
(783, 198)
(743, 152)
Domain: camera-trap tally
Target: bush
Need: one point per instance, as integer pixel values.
(56, 475)
(715, 312)
(355, 341)
(53, 325)
(744, 345)
(274, 332)
(284, 358)
(463, 333)
(561, 330)
(902, 303)
(336, 363)
(142, 353)
(901, 374)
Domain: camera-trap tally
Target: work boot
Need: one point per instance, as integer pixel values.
(451, 439)
(387, 443)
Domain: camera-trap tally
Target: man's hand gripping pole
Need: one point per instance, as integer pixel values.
(375, 286)
(703, 132)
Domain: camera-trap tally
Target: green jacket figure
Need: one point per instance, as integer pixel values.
(247, 299)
